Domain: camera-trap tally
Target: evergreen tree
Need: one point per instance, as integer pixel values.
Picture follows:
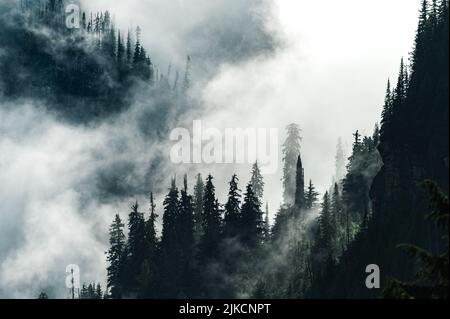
(432, 280)
(311, 196)
(135, 249)
(149, 271)
(252, 221)
(199, 188)
(257, 181)
(116, 258)
(291, 151)
(340, 162)
(212, 223)
(185, 225)
(232, 218)
(300, 185)
(326, 233)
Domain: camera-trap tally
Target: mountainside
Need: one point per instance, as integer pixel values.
(414, 148)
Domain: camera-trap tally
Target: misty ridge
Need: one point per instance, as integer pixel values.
(85, 116)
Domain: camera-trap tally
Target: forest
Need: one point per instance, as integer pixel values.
(387, 205)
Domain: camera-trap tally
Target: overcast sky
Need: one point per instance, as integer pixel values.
(328, 74)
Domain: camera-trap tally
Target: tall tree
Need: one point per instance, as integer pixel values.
(311, 196)
(257, 181)
(291, 151)
(199, 188)
(252, 220)
(340, 162)
(212, 222)
(116, 257)
(232, 218)
(300, 185)
(135, 249)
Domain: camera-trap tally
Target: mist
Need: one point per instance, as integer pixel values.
(255, 64)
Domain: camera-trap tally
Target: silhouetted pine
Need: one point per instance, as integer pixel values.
(232, 219)
(212, 223)
(136, 246)
(311, 196)
(252, 223)
(299, 200)
(116, 258)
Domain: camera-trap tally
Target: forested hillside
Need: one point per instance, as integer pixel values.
(85, 73)
(193, 245)
(414, 148)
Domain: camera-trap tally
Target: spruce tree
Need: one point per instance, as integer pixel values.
(199, 188)
(232, 218)
(311, 196)
(291, 151)
(136, 246)
(299, 185)
(252, 224)
(212, 223)
(257, 181)
(116, 257)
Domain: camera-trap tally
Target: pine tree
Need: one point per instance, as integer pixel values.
(232, 218)
(325, 240)
(148, 275)
(128, 48)
(170, 267)
(252, 227)
(135, 248)
(116, 257)
(311, 196)
(199, 188)
(266, 233)
(185, 225)
(257, 181)
(169, 236)
(340, 162)
(299, 185)
(291, 151)
(212, 223)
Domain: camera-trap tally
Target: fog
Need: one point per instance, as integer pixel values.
(323, 65)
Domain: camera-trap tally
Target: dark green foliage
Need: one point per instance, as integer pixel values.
(300, 201)
(432, 279)
(212, 223)
(311, 196)
(232, 219)
(116, 258)
(252, 222)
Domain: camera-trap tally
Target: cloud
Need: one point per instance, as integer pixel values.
(258, 64)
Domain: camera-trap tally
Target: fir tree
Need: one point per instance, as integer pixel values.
(212, 223)
(311, 196)
(116, 257)
(299, 185)
(252, 221)
(232, 218)
(291, 151)
(257, 181)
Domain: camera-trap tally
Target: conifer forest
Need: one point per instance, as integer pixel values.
(118, 179)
